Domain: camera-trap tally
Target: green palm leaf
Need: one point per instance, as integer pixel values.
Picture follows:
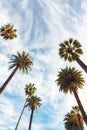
(30, 89)
(68, 77)
(22, 60)
(34, 102)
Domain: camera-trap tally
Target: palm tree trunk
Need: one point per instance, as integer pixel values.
(31, 117)
(20, 116)
(84, 67)
(80, 105)
(8, 80)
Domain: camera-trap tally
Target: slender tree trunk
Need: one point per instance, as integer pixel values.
(20, 116)
(80, 106)
(8, 80)
(31, 117)
(83, 66)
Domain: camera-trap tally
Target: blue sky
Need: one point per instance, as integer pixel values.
(41, 25)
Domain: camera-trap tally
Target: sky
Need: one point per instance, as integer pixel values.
(41, 26)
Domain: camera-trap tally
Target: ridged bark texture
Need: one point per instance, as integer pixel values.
(83, 66)
(31, 117)
(8, 80)
(20, 116)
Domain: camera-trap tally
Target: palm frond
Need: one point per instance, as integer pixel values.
(22, 60)
(69, 77)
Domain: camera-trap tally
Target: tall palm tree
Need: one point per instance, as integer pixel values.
(21, 62)
(8, 32)
(33, 103)
(76, 111)
(69, 80)
(71, 50)
(29, 91)
(70, 122)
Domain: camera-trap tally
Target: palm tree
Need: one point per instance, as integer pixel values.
(76, 111)
(21, 62)
(71, 50)
(8, 32)
(70, 122)
(74, 120)
(33, 103)
(29, 91)
(69, 80)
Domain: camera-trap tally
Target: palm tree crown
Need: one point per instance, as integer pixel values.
(67, 47)
(23, 61)
(70, 122)
(74, 120)
(33, 102)
(8, 32)
(69, 77)
(30, 89)
(76, 111)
